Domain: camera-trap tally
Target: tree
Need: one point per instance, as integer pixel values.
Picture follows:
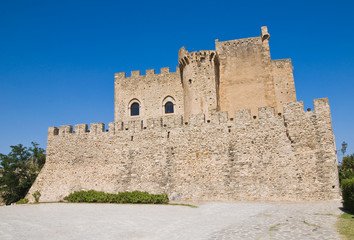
(346, 168)
(20, 168)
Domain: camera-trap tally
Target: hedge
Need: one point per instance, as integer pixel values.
(93, 196)
(348, 194)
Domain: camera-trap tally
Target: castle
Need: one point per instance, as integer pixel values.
(224, 126)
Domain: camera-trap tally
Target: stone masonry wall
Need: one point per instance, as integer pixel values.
(281, 158)
(150, 90)
(284, 82)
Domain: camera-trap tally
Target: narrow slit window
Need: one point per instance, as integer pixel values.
(169, 107)
(134, 109)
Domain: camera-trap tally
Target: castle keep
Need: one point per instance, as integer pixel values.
(224, 126)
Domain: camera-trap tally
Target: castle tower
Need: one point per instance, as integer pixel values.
(200, 81)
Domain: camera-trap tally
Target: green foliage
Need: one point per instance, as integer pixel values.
(20, 168)
(36, 196)
(348, 194)
(92, 196)
(346, 168)
(22, 201)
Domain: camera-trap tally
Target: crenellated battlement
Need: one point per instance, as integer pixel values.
(241, 118)
(149, 73)
(189, 159)
(185, 57)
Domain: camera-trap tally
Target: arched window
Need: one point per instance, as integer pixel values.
(169, 107)
(134, 109)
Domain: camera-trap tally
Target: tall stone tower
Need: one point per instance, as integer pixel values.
(200, 81)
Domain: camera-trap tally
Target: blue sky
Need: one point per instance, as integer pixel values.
(58, 58)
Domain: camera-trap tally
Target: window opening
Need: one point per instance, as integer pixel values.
(169, 107)
(134, 109)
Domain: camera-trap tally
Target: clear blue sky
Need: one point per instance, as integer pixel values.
(58, 58)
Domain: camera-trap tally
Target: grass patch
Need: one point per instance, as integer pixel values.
(22, 201)
(274, 227)
(325, 214)
(312, 225)
(183, 204)
(345, 226)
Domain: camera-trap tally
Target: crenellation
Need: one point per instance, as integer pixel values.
(150, 72)
(115, 127)
(223, 117)
(65, 129)
(165, 70)
(196, 119)
(154, 123)
(135, 74)
(293, 109)
(81, 129)
(322, 108)
(53, 131)
(172, 121)
(97, 128)
(243, 117)
(266, 113)
(120, 75)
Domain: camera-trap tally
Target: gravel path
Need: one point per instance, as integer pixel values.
(217, 220)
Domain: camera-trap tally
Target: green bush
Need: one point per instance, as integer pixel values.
(92, 196)
(36, 196)
(348, 194)
(22, 201)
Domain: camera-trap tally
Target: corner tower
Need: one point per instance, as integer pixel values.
(200, 81)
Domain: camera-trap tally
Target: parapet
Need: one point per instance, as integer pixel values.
(148, 73)
(293, 113)
(296, 109)
(224, 46)
(185, 57)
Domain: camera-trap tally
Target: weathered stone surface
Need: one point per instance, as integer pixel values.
(290, 157)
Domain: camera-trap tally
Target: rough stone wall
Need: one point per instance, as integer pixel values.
(281, 158)
(248, 76)
(284, 82)
(200, 79)
(150, 91)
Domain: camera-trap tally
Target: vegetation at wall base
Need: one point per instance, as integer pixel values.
(348, 194)
(93, 196)
(22, 201)
(36, 196)
(345, 226)
(346, 179)
(20, 168)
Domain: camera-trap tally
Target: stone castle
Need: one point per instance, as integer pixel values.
(225, 126)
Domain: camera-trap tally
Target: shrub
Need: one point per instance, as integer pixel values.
(22, 201)
(348, 194)
(20, 168)
(36, 196)
(346, 168)
(92, 196)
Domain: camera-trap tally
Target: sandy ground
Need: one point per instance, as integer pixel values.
(216, 220)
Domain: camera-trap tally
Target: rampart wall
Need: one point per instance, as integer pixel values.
(281, 158)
